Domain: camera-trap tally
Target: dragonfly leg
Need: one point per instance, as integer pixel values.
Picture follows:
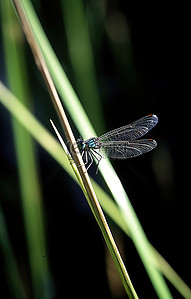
(85, 158)
(82, 158)
(98, 158)
(91, 161)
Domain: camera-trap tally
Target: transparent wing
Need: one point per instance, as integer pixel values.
(131, 131)
(127, 149)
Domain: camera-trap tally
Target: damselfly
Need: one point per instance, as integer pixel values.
(121, 143)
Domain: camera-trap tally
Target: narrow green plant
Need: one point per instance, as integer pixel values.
(11, 267)
(25, 154)
(82, 61)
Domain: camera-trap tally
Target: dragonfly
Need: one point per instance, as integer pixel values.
(121, 143)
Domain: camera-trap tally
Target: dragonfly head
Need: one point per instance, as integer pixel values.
(80, 143)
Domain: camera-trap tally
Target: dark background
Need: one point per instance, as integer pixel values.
(151, 78)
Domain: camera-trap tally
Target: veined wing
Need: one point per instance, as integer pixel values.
(131, 131)
(127, 149)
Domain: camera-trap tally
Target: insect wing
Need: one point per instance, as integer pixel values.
(127, 149)
(131, 131)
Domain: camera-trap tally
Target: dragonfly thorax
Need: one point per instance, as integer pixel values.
(91, 143)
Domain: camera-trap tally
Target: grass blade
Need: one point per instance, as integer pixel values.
(82, 61)
(11, 269)
(26, 157)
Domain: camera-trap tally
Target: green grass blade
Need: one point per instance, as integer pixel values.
(82, 60)
(25, 153)
(11, 269)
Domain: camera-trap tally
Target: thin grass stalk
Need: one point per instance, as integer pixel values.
(93, 202)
